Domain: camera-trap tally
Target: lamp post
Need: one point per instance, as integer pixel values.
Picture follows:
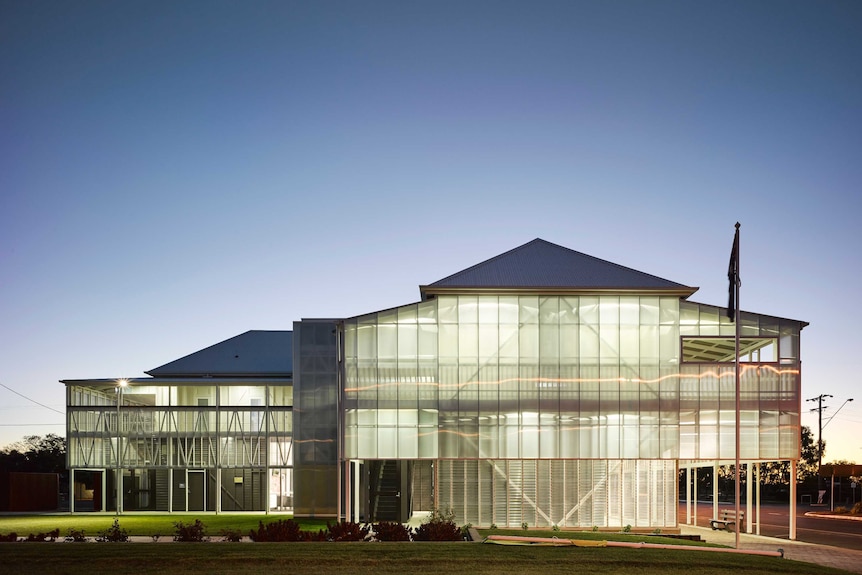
(119, 507)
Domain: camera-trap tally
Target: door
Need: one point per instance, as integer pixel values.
(196, 491)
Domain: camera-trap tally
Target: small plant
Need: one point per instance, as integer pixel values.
(555, 527)
(657, 532)
(857, 509)
(465, 530)
(627, 529)
(493, 527)
(525, 526)
(391, 531)
(9, 538)
(440, 526)
(190, 532)
(595, 528)
(346, 531)
(113, 534)
(840, 510)
(231, 535)
(76, 536)
(156, 537)
(42, 537)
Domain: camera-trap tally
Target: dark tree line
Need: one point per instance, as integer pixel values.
(35, 453)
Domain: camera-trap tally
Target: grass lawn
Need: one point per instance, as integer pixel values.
(150, 525)
(378, 558)
(343, 558)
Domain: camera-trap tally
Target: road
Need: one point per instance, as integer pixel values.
(774, 522)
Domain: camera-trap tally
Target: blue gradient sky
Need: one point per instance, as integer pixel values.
(173, 174)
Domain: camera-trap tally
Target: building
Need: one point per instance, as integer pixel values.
(542, 386)
(207, 432)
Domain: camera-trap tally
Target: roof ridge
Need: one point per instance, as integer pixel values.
(498, 256)
(540, 264)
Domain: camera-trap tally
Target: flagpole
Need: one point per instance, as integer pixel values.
(736, 366)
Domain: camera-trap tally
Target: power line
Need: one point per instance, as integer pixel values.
(32, 400)
(28, 424)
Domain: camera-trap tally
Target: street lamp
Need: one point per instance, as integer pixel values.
(836, 412)
(121, 383)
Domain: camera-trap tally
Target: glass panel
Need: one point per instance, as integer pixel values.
(509, 310)
(609, 310)
(529, 309)
(468, 309)
(468, 342)
(447, 309)
(488, 310)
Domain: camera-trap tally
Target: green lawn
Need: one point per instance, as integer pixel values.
(343, 558)
(139, 524)
(377, 558)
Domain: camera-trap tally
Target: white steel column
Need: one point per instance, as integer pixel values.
(694, 499)
(748, 491)
(792, 513)
(758, 468)
(715, 489)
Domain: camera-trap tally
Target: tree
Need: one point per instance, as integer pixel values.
(35, 453)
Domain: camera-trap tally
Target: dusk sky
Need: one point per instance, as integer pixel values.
(173, 174)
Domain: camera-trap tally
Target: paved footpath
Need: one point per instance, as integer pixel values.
(847, 559)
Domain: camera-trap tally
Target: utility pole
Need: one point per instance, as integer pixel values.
(819, 409)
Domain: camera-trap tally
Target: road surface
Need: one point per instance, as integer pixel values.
(774, 522)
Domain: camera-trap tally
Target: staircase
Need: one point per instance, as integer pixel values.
(385, 492)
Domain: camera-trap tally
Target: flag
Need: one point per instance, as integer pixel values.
(733, 276)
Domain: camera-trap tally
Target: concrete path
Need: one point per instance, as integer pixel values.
(847, 559)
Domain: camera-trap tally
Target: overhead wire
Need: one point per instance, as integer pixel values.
(30, 399)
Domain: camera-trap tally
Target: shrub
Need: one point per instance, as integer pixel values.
(281, 530)
(857, 509)
(525, 526)
(42, 537)
(9, 538)
(627, 529)
(284, 530)
(840, 510)
(231, 535)
(440, 526)
(346, 531)
(391, 531)
(76, 536)
(113, 534)
(191, 533)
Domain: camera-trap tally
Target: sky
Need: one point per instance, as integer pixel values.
(173, 174)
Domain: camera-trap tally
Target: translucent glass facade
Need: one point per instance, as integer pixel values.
(560, 409)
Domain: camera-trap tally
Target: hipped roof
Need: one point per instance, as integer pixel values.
(255, 353)
(541, 266)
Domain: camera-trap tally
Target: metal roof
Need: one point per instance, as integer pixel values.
(540, 265)
(254, 353)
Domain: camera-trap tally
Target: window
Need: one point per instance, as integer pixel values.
(723, 349)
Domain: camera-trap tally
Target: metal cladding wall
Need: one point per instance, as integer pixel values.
(315, 415)
(29, 491)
